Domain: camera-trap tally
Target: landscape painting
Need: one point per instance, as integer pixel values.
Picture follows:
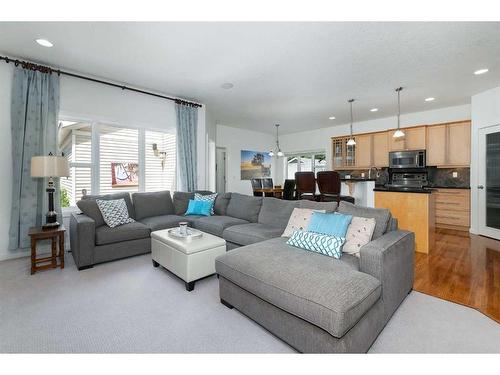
(255, 164)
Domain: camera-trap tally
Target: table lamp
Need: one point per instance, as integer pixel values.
(50, 166)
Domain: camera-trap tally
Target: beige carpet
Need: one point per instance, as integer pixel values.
(128, 306)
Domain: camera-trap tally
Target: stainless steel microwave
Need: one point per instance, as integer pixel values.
(407, 159)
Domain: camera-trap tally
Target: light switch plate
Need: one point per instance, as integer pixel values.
(455, 174)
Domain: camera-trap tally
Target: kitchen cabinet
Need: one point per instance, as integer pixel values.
(436, 141)
(453, 208)
(414, 139)
(395, 144)
(343, 156)
(414, 211)
(458, 147)
(380, 150)
(448, 145)
(364, 151)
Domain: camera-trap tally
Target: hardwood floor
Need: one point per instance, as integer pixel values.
(462, 268)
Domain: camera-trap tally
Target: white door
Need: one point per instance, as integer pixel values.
(489, 182)
(220, 170)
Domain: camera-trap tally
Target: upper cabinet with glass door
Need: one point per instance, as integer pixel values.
(344, 156)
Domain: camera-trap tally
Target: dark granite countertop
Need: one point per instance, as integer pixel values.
(357, 179)
(404, 190)
(449, 187)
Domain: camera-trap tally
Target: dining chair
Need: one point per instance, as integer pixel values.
(329, 186)
(305, 185)
(267, 183)
(289, 190)
(256, 184)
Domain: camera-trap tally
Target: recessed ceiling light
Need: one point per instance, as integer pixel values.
(374, 110)
(227, 86)
(429, 99)
(331, 118)
(481, 71)
(44, 42)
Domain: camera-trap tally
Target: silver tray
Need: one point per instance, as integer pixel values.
(191, 233)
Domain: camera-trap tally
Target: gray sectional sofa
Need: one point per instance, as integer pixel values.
(314, 303)
(240, 219)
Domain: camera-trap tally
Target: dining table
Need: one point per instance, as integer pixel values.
(276, 192)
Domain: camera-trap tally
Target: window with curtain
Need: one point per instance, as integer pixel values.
(121, 159)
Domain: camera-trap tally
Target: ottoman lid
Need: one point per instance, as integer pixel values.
(189, 246)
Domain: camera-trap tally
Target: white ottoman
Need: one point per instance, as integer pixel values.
(190, 259)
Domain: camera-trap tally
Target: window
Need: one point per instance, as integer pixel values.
(160, 168)
(106, 159)
(304, 162)
(75, 141)
(118, 159)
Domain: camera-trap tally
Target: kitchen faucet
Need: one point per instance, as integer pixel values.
(376, 172)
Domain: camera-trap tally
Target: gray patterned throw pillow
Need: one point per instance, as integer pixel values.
(114, 212)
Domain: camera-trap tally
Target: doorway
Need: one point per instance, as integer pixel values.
(220, 170)
(489, 182)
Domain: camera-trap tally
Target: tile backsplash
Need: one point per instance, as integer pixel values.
(443, 177)
(439, 177)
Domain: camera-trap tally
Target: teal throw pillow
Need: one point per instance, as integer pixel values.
(207, 197)
(198, 208)
(333, 224)
(318, 243)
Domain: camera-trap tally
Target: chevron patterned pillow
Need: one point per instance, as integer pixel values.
(114, 212)
(318, 243)
(207, 198)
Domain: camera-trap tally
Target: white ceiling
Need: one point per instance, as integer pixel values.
(297, 74)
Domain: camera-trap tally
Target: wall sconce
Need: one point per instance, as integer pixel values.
(160, 154)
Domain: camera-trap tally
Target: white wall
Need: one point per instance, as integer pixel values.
(87, 100)
(235, 140)
(485, 111)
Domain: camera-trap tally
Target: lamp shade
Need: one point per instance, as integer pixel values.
(49, 166)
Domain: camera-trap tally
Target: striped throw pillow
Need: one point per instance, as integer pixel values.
(319, 243)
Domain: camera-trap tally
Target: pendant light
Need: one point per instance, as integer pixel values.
(351, 141)
(399, 133)
(277, 150)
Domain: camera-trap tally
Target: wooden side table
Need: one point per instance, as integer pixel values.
(56, 235)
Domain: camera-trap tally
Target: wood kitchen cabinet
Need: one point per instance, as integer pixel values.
(458, 147)
(395, 144)
(343, 156)
(380, 150)
(414, 139)
(448, 145)
(415, 212)
(364, 151)
(453, 208)
(436, 141)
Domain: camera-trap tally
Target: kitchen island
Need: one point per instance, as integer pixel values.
(415, 211)
(361, 189)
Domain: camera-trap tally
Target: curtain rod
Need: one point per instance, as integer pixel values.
(46, 69)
